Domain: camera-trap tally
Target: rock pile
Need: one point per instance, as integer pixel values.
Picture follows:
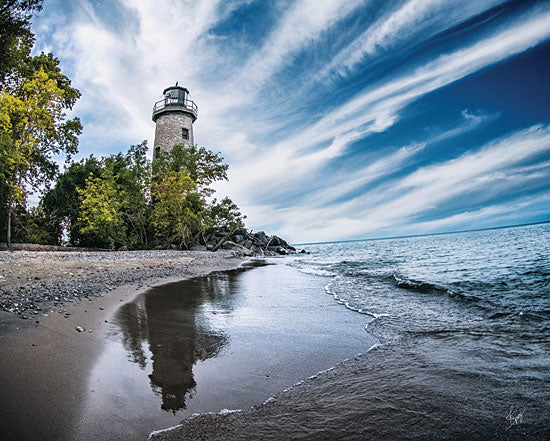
(246, 243)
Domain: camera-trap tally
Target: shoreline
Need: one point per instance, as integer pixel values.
(51, 358)
(35, 283)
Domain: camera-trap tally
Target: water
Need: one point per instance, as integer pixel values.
(434, 337)
(225, 341)
(463, 322)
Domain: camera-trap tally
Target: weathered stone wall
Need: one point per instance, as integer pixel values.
(168, 130)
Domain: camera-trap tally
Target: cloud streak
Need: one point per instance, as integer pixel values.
(312, 122)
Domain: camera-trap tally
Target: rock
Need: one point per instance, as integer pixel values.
(261, 236)
(239, 249)
(238, 238)
(275, 241)
(79, 329)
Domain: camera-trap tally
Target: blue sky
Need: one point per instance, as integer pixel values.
(339, 119)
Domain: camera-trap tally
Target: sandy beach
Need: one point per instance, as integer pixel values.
(44, 360)
(149, 358)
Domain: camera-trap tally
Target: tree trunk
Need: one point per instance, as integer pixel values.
(8, 237)
(221, 242)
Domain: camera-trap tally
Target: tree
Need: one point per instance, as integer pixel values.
(175, 214)
(34, 96)
(32, 129)
(16, 39)
(202, 165)
(131, 174)
(100, 211)
(225, 215)
(62, 204)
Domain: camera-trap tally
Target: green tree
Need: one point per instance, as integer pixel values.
(16, 38)
(62, 204)
(100, 211)
(35, 226)
(175, 216)
(202, 165)
(131, 174)
(32, 129)
(34, 96)
(224, 215)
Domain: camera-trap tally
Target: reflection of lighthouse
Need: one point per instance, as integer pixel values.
(172, 319)
(174, 116)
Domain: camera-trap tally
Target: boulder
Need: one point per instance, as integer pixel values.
(238, 238)
(261, 236)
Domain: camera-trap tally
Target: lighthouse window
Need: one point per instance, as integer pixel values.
(185, 133)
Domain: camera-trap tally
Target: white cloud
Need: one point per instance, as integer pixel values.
(497, 166)
(287, 162)
(122, 72)
(409, 19)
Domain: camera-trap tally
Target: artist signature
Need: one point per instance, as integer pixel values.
(515, 416)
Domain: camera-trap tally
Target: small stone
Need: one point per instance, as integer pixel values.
(24, 317)
(79, 329)
(90, 331)
(102, 308)
(38, 321)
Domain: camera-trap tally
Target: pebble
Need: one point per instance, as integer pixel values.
(39, 293)
(79, 329)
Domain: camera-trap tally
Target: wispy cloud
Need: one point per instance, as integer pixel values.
(335, 171)
(376, 109)
(498, 165)
(411, 17)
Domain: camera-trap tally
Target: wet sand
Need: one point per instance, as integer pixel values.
(227, 341)
(44, 361)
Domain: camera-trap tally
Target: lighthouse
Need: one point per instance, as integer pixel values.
(174, 116)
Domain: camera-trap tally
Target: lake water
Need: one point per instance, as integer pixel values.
(225, 341)
(463, 325)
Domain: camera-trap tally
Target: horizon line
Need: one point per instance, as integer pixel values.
(423, 235)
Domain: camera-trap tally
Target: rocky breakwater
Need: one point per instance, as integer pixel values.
(246, 243)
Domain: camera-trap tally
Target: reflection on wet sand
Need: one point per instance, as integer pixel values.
(173, 325)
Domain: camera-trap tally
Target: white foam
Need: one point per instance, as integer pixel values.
(229, 411)
(156, 432)
(316, 271)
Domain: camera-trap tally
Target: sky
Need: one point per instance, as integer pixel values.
(339, 119)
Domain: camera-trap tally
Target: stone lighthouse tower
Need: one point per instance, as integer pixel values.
(174, 116)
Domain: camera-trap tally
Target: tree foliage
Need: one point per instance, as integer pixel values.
(100, 211)
(34, 96)
(119, 201)
(175, 214)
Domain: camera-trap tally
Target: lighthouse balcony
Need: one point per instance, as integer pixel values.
(171, 104)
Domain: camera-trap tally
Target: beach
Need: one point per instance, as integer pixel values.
(429, 337)
(44, 360)
(156, 356)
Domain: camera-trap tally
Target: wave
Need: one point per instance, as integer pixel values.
(316, 271)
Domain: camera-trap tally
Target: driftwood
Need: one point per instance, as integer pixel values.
(221, 242)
